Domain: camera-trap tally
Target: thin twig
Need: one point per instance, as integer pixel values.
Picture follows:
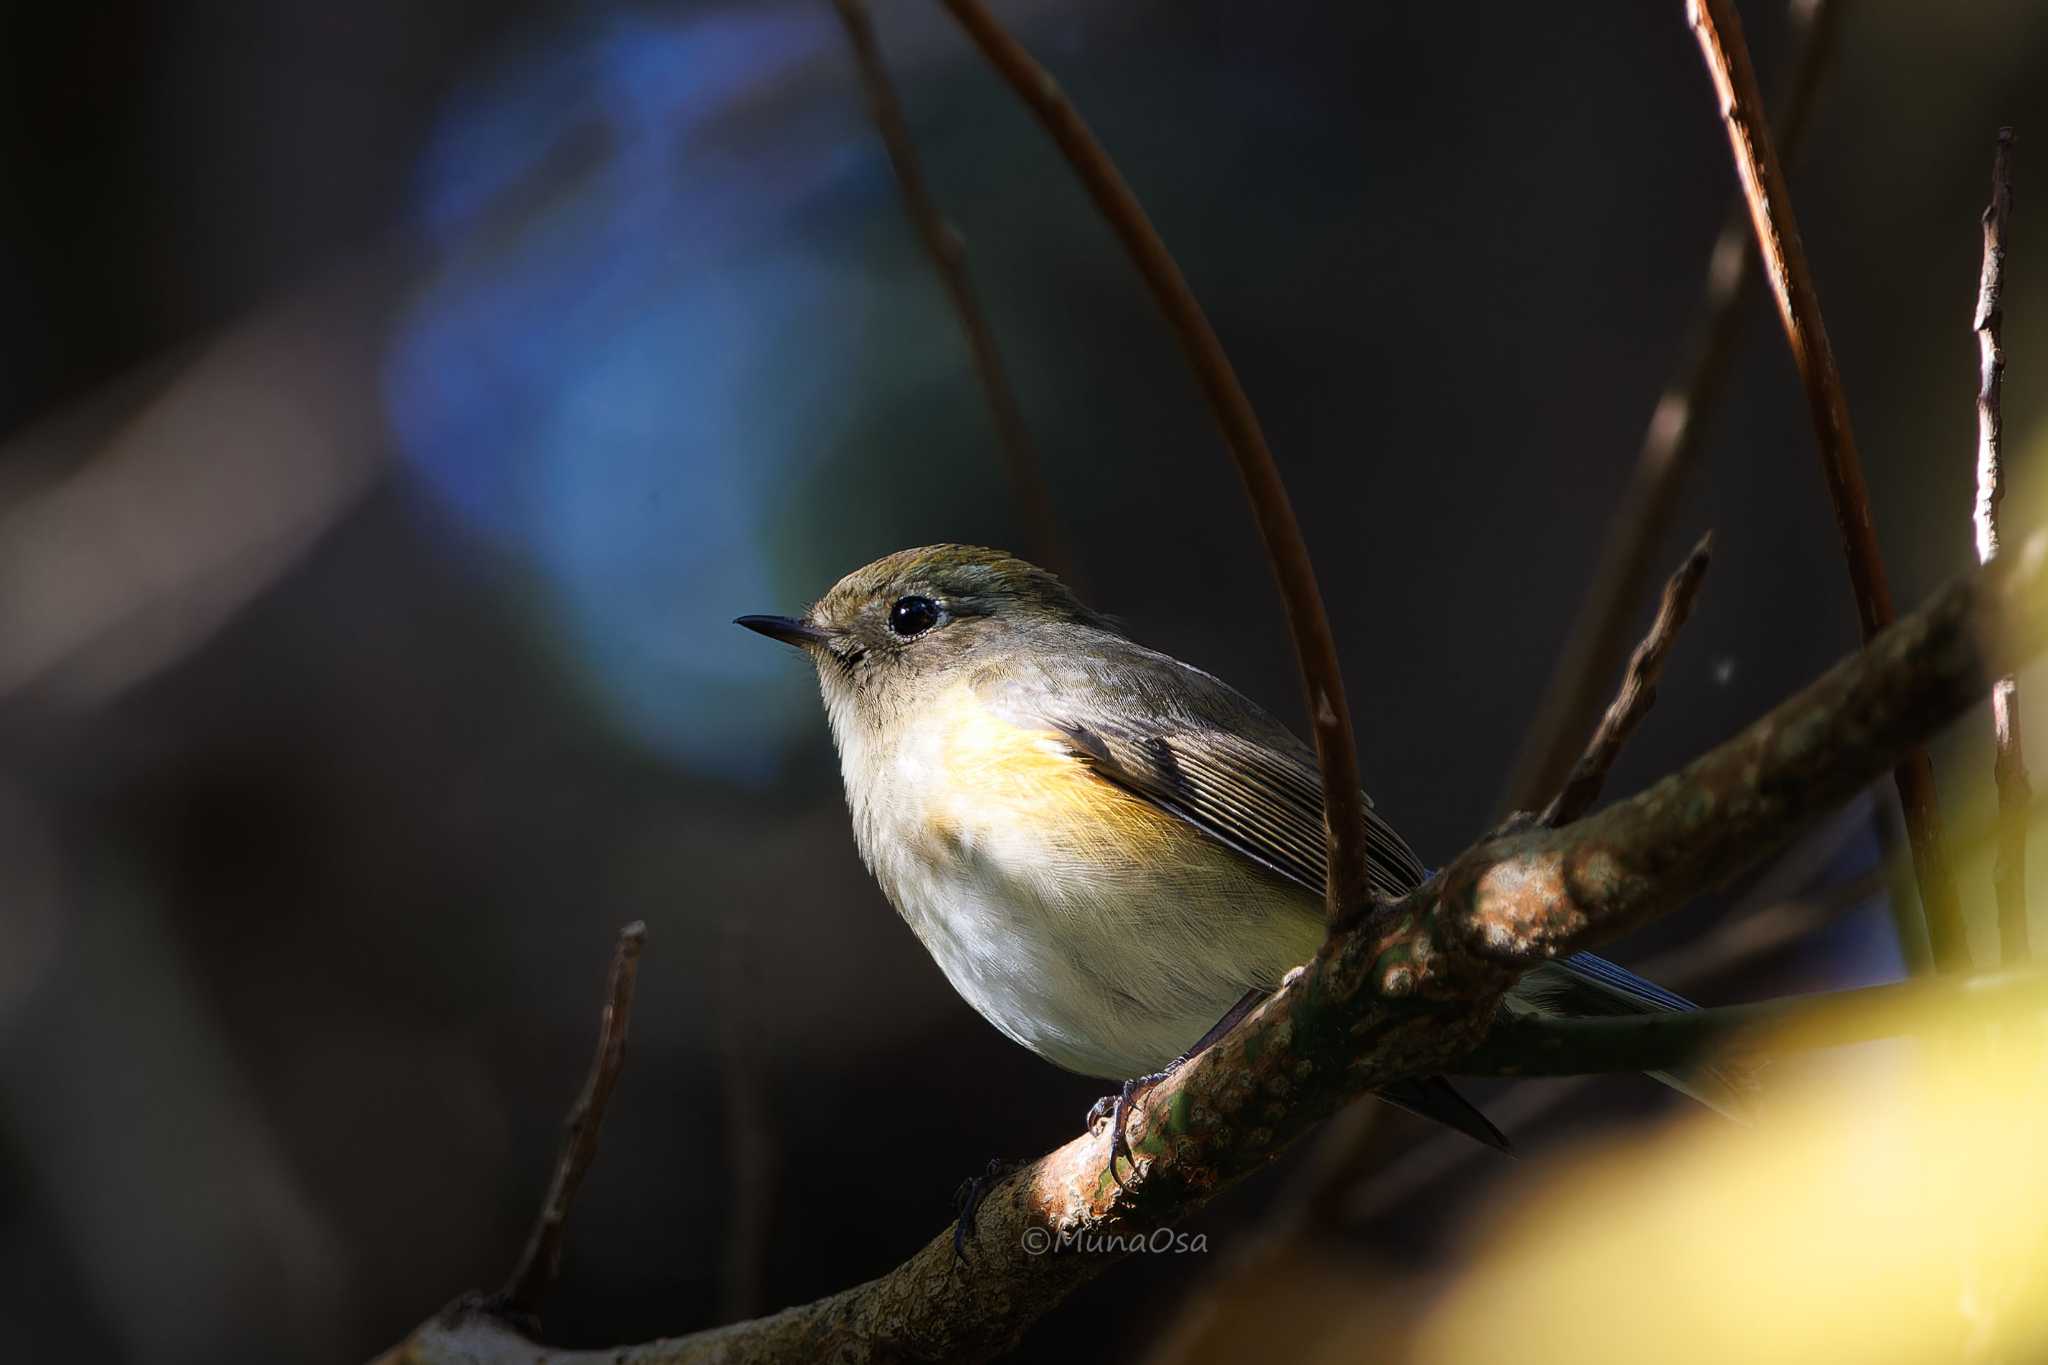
(1638, 690)
(1719, 31)
(2009, 768)
(943, 243)
(1671, 445)
(750, 1140)
(1349, 891)
(535, 1271)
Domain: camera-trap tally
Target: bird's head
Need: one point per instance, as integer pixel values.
(909, 623)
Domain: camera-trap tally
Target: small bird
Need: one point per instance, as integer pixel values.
(1111, 854)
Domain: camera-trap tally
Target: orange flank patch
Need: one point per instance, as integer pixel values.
(1005, 780)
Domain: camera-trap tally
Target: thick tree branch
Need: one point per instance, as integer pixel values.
(943, 243)
(1638, 691)
(1719, 31)
(535, 1272)
(1733, 952)
(1406, 992)
(1315, 647)
(1671, 445)
(2009, 767)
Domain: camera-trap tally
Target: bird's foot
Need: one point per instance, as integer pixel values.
(1117, 1110)
(968, 1198)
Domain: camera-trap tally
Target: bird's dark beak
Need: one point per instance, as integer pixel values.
(787, 629)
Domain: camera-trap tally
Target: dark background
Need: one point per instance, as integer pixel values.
(400, 401)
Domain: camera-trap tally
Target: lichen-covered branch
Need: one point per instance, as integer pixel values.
(1719, 30)
(1407, 991)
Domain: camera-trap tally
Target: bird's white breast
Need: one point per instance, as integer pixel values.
(1093, 928)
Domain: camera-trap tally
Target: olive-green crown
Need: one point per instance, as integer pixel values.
(965, 575)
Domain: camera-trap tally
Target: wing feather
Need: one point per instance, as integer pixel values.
(1197, 749)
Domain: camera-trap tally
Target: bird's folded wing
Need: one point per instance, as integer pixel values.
(1258, 794)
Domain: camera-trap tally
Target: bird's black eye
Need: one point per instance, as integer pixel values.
(913, 616)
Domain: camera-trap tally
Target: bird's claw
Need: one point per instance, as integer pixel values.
(1117, 1110)
(967, 1201)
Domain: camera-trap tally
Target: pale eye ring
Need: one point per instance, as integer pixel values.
(913, 615)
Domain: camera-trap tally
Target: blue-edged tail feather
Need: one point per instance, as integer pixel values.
(1584, 985)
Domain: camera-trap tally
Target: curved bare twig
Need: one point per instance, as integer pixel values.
(1672, 443)
(1315, 647)
(1719, 30)
(943, 243)
(535, 1271)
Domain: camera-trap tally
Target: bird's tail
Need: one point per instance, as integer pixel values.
(1588, 985)
(1433, 1097)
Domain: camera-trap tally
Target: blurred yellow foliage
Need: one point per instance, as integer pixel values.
(1895, 1211)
